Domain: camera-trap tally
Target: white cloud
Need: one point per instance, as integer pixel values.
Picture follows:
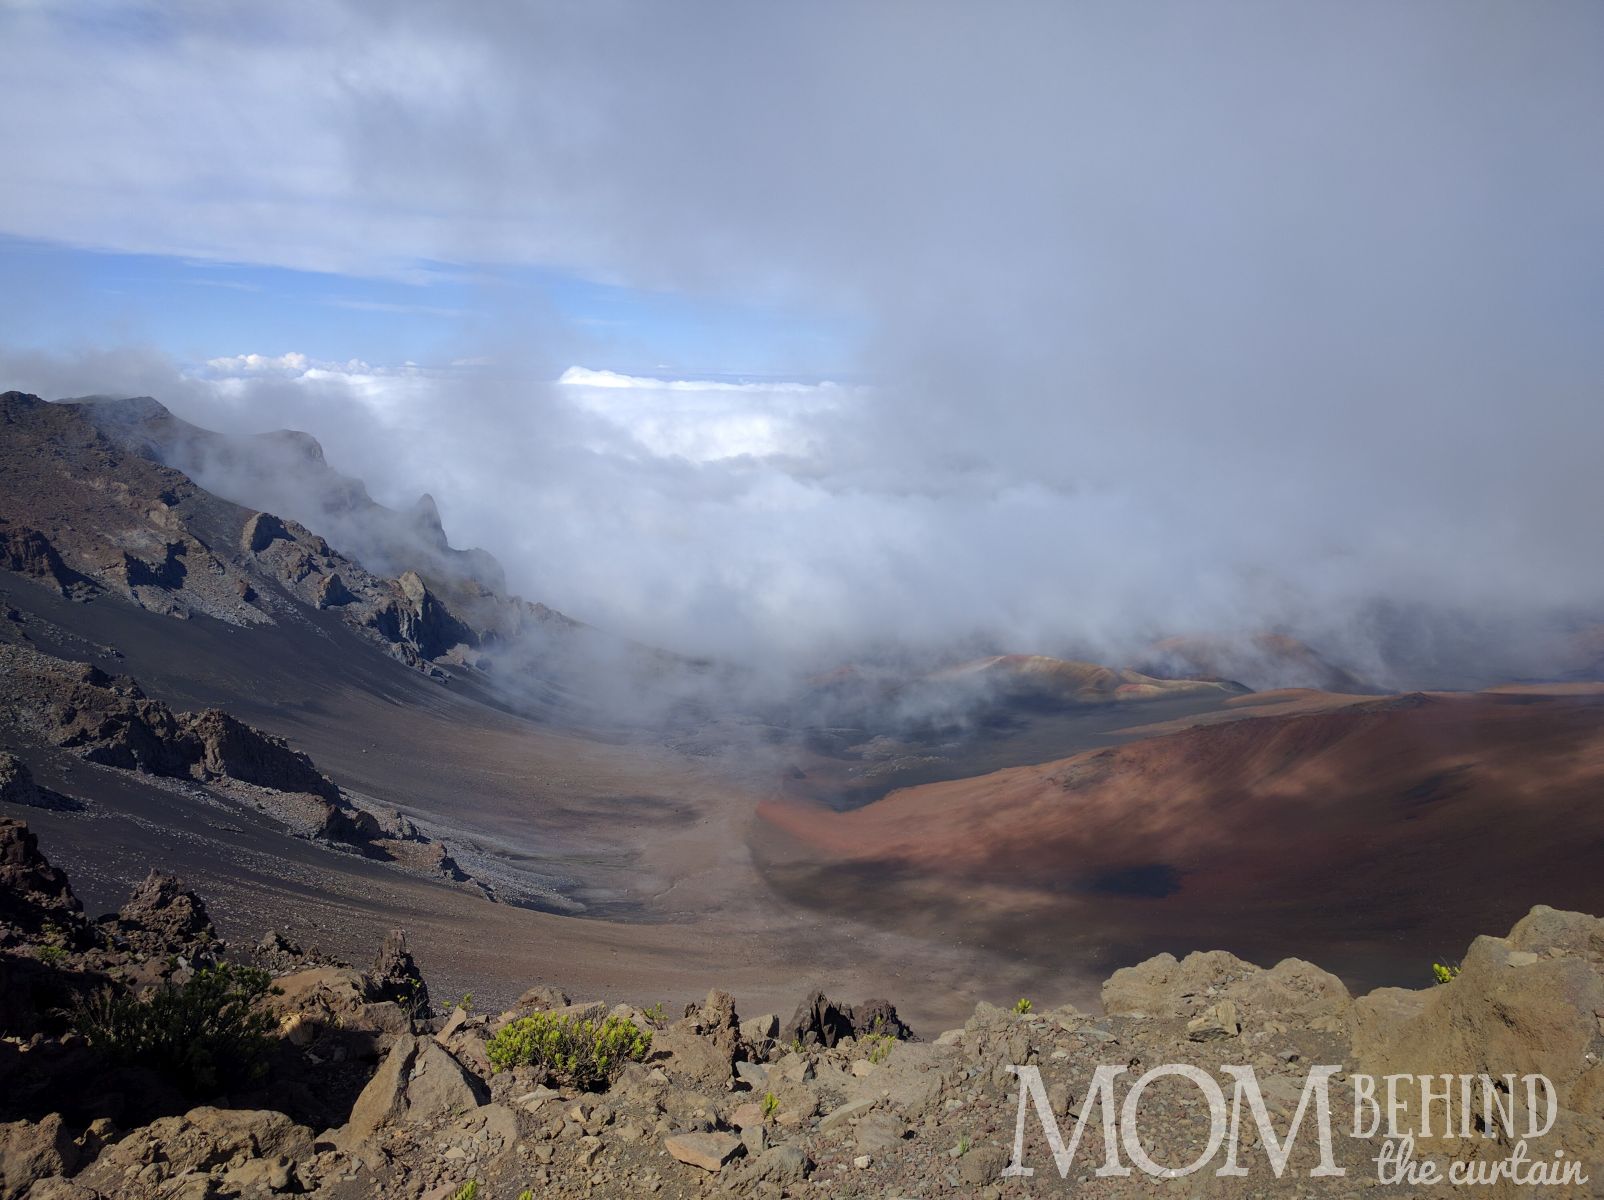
(1229, 314)
(706, 420)
(291, 361)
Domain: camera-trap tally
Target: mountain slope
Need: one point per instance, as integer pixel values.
(1399, 821)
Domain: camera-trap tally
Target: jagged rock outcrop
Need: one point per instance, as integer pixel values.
(231, 749)
(29, 552)
(16, 781)
(395, 976)
(109, 720)
(33, 894)
(820, 1021)
(415, 617)
(261, 531)
(164, 918)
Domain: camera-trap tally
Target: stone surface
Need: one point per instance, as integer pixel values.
(709, 1151)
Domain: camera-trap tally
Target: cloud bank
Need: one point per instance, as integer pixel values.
(1186, 317)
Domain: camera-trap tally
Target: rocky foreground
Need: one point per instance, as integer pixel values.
(350, 1083)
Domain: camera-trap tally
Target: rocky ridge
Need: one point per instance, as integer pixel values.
(91, 508)
(370, 1094)
(108, 720)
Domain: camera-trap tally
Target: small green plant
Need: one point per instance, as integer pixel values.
(527, 1194)
(586, 1054)
(414, 1000)
(963, 1145)
(51, 956)
(656, 1014)
(1022, 1006)
(771, 1105)
(466, 1003)
(796, 1044)
(206, 1032)
(878, 1045)
(468, 1191)
(1444, 972)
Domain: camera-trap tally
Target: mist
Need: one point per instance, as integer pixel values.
(1164, 320)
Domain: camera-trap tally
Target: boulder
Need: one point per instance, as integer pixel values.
(33, 1150)
(201, 1140)
(1525, 1004)
(692, 1059)
(778, 1165)
(1215, 1022)
(418, 1082)
(709, 1151)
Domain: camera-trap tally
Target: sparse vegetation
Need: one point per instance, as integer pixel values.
(771, 1105)
(963, 1145)
(1444, 972)
(877, 1046)
(466, 1003)
(51, 956)
(1022, 1006)
(586, 1054)
(468, 1191)
(656, 1014)
(415, 1000)
(527, 1194)
(202, 1033)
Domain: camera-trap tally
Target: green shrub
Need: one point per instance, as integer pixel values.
(586, 1054)
(877, 1045)
(468, 1191)
(771, 1105)
(1444, 972)
(656, 1015)
(1022, 1006)
(202, 1034)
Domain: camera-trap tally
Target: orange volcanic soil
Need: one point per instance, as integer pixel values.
(1069, 680)
(1391, 820)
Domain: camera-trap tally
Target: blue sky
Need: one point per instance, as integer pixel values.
(60, 297)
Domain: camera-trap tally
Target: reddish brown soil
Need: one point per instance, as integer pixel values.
(1374, 835)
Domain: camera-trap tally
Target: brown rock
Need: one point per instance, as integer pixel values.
(418, 1082)
(709, 1151)
(395, 976)
(32, 1150)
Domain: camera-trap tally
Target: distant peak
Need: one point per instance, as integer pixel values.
(126, 408)
(295, 439)
(426, 519)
